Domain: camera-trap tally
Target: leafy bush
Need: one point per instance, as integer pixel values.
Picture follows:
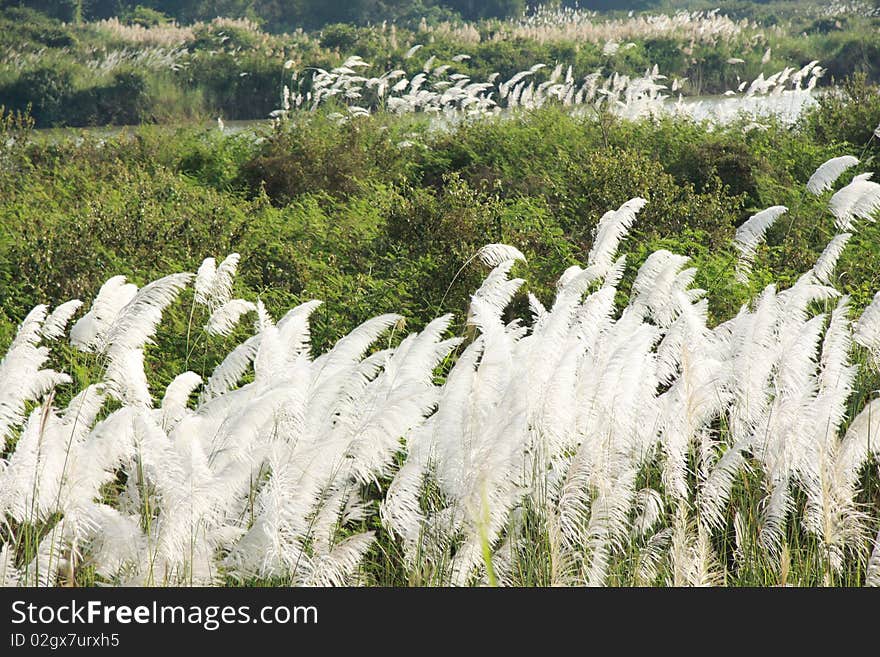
(47, 91)
(147, 17)
(849, 114)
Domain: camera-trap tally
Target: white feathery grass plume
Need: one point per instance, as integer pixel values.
(293, 329)
(826, 263)
(651, 556)
(136, 322)
(91, 458)
(175, 401)
(204, 280)
(22, 489)
(21, 378)
(831, 512)
(221, 286)
(860, 199)
(225, 318)
(230, 371)
(570, 274)
(494, 254)
(400, 511)
(337, 566)
(213, 283)
(9, 575)
(615, 273)
(872, 577)
(537, 308)
(688, 329)
(716, 486)
(827, 173)
(28, 333)
(752, 350)
(57, 321)
(401, 396)
(440, 446)
(612, 227)
(412, 51)
(740, 537)
(795, 301)
(836, 374)
(89, 331)
(122, 339)
(693, 561)
(117, 545)
(867, 329)
(750, 234)
(662, 286)
(599, 485)
(493, 295)
(125, 377)
(695, 398)
(860, 442)
(608, 524)
(349, 350)
(648, 507)
(781, 440)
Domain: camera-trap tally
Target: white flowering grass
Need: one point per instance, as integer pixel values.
(589, 443)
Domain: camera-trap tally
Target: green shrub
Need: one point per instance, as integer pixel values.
(47, 91)
(849, 114)
(225, 37)
(147, 17)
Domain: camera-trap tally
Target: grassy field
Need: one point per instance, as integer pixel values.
(116, 72)
(488, 392)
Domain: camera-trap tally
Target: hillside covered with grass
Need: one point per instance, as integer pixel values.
(132, 70)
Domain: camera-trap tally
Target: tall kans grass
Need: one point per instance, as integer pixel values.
(611, 437)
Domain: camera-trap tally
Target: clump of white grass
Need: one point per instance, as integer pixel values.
(444, 91)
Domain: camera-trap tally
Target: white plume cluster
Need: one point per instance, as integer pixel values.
(442, 91)
(617, 432)
(860, 199)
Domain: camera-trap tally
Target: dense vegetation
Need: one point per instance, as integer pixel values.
(741, 453)
(610, 424)
(380, 213)
(278, 16)
(144, 69)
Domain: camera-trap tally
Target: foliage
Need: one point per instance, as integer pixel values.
(612, 436)
(384, 214)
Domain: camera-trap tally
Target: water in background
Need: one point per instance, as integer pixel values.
(785, 106)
